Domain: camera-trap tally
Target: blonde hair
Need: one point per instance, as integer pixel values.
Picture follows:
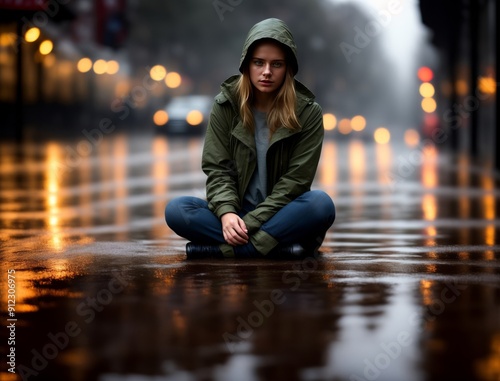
(282, 112)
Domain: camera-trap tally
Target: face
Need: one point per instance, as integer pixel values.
(267, 67)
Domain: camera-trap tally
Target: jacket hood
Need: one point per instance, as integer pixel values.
(274, 29)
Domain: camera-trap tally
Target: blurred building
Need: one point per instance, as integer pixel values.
(41, 44)
(466, 32)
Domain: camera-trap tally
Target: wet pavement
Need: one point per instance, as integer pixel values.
(407, 287)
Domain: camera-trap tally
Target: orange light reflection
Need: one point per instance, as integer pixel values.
(488, 198)
(490, 235)
(489, 368)
(54, 157)
(234, 295)
(160, 172)
(489, 204)
(429, 181)
(429, 206)
(357, 169)
(489, 255)
(430, 167)
(384, 161)
(328, 171)
(120, 176)
(464, 255)
(24, 292)
(412, 138)
(357, 162)
(425, 289)
(464, 201)
(430, 268)
(179, 321)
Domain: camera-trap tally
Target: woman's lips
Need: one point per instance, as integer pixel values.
(266, 83)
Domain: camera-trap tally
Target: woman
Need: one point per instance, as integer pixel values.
(260, 155)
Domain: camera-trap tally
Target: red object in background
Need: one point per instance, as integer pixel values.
(111, 25)
(24, 5)
(425, 74)
(430, 124)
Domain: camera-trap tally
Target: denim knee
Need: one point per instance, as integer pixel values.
(174, 212)
(322, 206)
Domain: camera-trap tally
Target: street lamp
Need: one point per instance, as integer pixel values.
(158, 72)
(358, 123)
(113, 67)
(84, 65)
(173, 80)
(46, 47)
(382, 135)
(329, 121)
(100, 66)
(32, 34)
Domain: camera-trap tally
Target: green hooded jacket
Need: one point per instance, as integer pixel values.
(229, 152)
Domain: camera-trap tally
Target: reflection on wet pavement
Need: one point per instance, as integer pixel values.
(407, 287)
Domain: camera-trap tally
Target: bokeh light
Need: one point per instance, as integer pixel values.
(425, 74)
(382, 135)
(100, 67)
(412, 137)
(358, 123)
(345, 126)
(427, 90)
(329, 121)
(113, 67)
(429, 105)
(84, 65)
(7, 39)
(173, 80)
(461, 87)
(32, 34)
(487, 85)
(160, 118)
(46, 47)
(194, 117)
(122, 88)
(158, 72)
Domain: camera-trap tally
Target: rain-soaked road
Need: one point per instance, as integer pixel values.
(407, 288)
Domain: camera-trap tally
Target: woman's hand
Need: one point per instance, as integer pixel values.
(234, 229)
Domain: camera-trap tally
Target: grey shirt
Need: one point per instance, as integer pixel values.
(257, 189)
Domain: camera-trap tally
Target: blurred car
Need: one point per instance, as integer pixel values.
(187, 115)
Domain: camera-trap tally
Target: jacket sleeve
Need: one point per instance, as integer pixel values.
(298, 177)
(217, 163)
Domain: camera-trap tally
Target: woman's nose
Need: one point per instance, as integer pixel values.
(267, 69)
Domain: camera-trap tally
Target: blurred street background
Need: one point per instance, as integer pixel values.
(103, 108)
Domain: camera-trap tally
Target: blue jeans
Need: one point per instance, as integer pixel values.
(304, 220)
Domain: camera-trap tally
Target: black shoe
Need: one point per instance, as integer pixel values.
(197, 251)
(293, 251)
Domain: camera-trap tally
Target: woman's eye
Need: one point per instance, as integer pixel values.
(258, 62)
(277, 64)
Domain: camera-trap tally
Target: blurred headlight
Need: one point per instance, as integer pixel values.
(194, 117)
(46, 47)
(84, 65)
(160, 118)
(32, 34)
(382, 135)
(329, 122)
(344, 126)
(358, 123)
